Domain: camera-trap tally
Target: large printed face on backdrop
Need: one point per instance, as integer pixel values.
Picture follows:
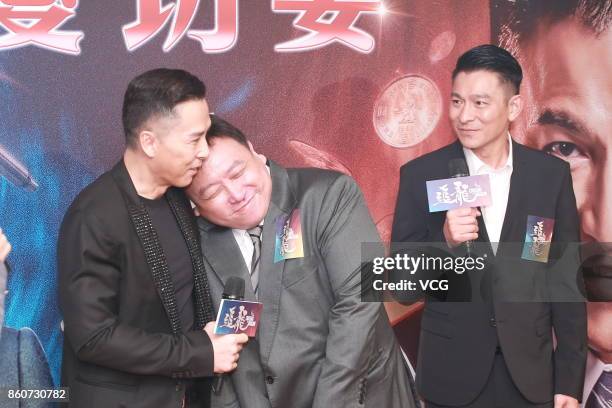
(568, 87)
(176, 143)
(481, 108)
(233, 187)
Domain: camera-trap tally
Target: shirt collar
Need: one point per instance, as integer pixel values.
(477, 166)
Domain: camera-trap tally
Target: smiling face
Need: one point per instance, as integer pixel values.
(569, 91)
(233, 187)
(177, 143)
(481, 109)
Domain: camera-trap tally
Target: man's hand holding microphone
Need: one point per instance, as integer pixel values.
(461, 226)
(226, 348)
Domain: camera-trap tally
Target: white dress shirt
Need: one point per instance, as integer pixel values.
(243, 239)
(594, 368)
(494, 214)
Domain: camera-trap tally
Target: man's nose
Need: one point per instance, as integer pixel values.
(235, 192)
(203, 150)
(466, 114)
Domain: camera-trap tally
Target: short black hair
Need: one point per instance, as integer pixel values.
(221, 128)
(157, 92)
(488, 57)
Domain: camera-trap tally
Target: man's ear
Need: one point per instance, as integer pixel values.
(515, 107)
(148, 142)
(259, 156)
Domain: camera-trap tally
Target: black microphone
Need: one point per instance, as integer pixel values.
(459, 168)
(233, 290)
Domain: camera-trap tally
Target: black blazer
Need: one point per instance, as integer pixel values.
(459, 339)
(123, 344)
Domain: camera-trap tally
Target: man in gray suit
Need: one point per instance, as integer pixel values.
(295, 237)
(23, 364)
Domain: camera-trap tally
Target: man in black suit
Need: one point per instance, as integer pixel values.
(485, 352)
(132, 285)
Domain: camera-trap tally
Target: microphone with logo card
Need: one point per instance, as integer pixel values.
(235, 316)
(459, 191)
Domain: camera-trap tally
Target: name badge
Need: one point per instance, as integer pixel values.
(288, 242)
(538, 237)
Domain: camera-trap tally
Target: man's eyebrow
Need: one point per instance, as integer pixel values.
(563, 120)
(198, 134)
(235, 164)
(479, 96)
(205, 187)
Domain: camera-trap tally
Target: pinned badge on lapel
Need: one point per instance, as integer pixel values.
(538, 238)
(288, 242)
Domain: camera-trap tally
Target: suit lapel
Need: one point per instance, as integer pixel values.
(271, 274)
(223, 254)
(516, 194)
(153, 253)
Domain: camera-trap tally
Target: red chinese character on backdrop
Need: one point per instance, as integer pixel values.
(152, 17)
(327, 21)
(36, 22)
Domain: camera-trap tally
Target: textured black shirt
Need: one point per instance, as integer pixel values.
(177, 257)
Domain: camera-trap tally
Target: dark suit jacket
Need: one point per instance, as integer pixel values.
(23, 366)
(318, 343)
(123, 343)
(459, 340)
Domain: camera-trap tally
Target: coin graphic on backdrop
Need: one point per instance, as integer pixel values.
(407, 111)
(441, 46)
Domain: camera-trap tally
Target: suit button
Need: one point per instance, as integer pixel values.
(492, 322)
(270, 379)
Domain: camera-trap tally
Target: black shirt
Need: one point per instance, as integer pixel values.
(177, 257)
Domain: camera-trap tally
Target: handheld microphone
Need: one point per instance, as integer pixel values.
(233, 290)
(459, 168)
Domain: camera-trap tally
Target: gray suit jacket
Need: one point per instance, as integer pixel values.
(318, 344)
(23, 366)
